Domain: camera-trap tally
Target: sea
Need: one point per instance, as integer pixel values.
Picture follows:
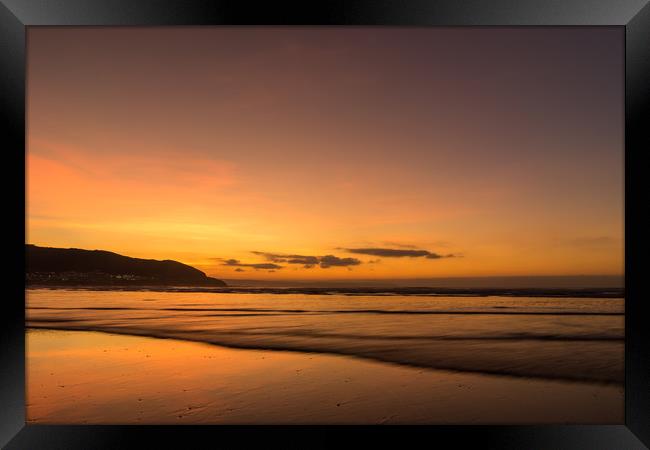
(572, 336)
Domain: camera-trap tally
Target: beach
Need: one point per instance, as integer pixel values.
(76, 377)
(151, 356)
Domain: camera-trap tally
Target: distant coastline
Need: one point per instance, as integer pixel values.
(69, 268)
(50, 266)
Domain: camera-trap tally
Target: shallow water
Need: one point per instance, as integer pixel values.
(577, 339)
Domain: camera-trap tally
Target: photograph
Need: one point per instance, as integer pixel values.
(325, 225)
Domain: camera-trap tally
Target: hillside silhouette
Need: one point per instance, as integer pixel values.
(73, 266)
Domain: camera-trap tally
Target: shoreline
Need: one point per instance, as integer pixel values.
(424, 291)
(107, 378)
(360, 357)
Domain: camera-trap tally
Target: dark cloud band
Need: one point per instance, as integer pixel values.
(397, 253)
(308, 261)
(334, 261)
(289, 259)
(237, 263)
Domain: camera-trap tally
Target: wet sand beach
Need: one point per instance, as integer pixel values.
(81, 377)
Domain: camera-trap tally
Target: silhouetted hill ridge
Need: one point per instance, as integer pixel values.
(49, 265)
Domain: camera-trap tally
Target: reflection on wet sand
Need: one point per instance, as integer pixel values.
(89, 377)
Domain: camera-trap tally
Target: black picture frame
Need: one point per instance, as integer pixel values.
(16, 15)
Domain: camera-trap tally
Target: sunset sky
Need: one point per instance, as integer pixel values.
(325, 153)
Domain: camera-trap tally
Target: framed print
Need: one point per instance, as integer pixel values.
(233, 221)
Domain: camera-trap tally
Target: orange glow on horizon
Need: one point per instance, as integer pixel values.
(213, 161)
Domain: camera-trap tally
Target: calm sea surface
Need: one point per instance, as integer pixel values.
(578, 339)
